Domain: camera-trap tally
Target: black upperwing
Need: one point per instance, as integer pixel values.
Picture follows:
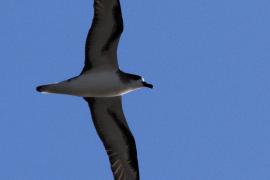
(112, 128)
(104, 34)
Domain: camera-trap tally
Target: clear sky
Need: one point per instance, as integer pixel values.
(208, 117)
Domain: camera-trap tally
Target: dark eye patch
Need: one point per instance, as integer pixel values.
(126, 77)
(133, 76)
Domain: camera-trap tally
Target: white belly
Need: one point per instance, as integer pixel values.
(97, 84)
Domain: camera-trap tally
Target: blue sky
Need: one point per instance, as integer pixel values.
(207, 118)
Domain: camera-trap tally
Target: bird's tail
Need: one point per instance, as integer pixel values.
(50, 88)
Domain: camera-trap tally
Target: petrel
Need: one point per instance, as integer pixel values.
(101, 83)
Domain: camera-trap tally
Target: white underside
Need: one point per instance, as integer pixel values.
(92, 84)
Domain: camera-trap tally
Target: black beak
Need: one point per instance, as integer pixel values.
(145, 84)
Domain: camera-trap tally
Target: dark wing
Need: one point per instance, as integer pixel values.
(112, 128)
(104, 34)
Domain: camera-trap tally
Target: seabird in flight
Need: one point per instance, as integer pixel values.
(101, 83)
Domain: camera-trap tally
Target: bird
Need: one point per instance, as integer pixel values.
(102, 84)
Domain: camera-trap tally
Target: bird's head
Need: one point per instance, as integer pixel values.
(135, 81)
(140, 82)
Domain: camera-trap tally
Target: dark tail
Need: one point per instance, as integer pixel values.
(43, 88)
(57, 88)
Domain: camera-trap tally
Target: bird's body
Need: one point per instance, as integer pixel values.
(96, 83)
(101, 83)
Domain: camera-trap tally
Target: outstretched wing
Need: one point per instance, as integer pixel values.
(104, 34)
(112, 128)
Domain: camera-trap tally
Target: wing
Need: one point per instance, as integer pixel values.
(104, 34)
(114, 132)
